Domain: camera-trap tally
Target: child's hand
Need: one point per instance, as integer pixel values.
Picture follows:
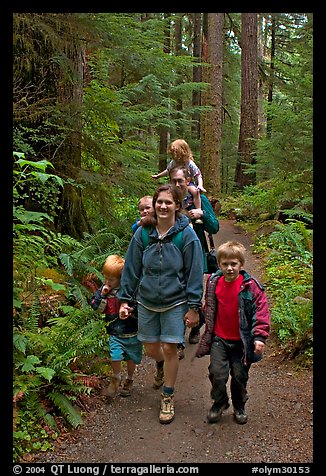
(259, 347)
(105, 290)
(154, 176)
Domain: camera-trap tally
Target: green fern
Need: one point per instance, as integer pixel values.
(34, 314)
(77, 292)
(68, 263)
(49, 419)
(70, 412)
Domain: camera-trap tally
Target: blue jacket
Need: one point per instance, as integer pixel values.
(162, 275)
(134, 226)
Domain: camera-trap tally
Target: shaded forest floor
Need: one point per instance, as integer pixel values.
(127, 430)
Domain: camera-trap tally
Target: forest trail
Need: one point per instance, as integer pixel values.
(127, 430)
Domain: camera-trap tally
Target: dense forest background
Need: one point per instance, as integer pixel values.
(97, 99)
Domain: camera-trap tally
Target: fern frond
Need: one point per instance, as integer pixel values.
(67, 262)
(49, 419)
(77, 291)
(32, 318)
(71, 414)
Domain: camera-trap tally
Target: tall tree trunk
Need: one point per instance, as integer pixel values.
(212, 163)
(178, 51)
(196, 74)
(204, 97)
(72, 219)
(53, 35)
(163, 130)
(271, 78)
(261, 115)
(249, 101)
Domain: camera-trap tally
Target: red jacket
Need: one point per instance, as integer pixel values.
(254, 316)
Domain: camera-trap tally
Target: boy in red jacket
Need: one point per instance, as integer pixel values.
(237, 326)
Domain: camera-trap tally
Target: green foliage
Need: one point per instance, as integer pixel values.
(43, 366)
(295, 239)
(33, 185)
(288, 147)
(67, 409)
(31, 236)
(288, 253)
(87, 259)
(32, 436)
(132, 88)
(43, 355)
(293, 191)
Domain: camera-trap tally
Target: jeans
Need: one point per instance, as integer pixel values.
(227, 358)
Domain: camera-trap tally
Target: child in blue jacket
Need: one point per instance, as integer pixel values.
(145, 207)
(123, 342)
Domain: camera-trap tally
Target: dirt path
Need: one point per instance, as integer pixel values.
(279, 428)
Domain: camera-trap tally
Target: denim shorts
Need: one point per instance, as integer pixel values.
(125, 348)
(167, 326)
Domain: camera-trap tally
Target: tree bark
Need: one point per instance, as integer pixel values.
(178, 51)
(72, 218)
(271, 78)
(249, 102)
(212, 163)
(261, 115)
(163, 131)
(204, 97)
(196, 74)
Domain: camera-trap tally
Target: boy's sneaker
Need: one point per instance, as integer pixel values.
(112, 389)
(215, 413)
(126, 388)
(167, 408)
(240, 416)
(158, 378)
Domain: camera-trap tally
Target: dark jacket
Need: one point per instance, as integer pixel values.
(254, 317)
(109, 305)
(210, 223)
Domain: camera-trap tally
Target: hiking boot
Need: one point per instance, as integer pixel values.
(112, 389)
(240, 416)
(167, 408)
(126, 388)
(181, 351)
(194, 336)
(215, 412)
(158, 378)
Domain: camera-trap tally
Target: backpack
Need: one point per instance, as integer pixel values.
(176, 238)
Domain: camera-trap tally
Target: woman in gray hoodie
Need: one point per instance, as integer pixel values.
(164, 270)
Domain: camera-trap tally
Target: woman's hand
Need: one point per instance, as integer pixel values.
(125, 310)
(191, 318)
